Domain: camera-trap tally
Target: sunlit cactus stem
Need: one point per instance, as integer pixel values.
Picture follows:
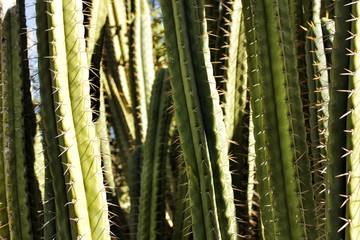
(78, 146)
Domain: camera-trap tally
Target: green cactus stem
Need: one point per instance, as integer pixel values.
(339, 83)
(235, 102)
(141, 74)
(13, 132)
(181, 213)
(102, 133)
(152, 201)
(286, 196)
(352, 198)
(50, 132)
(200, 120)
(79, 148)
(4, 227)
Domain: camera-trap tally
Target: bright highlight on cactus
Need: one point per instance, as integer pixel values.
(249, 130)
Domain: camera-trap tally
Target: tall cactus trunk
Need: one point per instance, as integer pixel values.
(200, 119)
(19, 187)
(286, 196)
(75, 156)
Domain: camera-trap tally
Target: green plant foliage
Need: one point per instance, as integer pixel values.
(171, 119)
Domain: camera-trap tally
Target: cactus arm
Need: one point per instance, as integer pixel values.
(118, 22)
(318, 88)
(114, 86)
(323, 78)
(30, 128)
(50, 132)
(49, 202)
(182, 217)
(121, 115)
(236, 115)
(291, 122)
(117, 26)
(4, 227)
(98, 14)
(102, 133)
(283, 126)
(206, 128)
(134, 180)
(94, 45)
(257, 106)
(65, 133)
(212, 115)
(13, 128)
(203, 228)
(118, 19)
(353, 135)
(146, 49)
(236, 72)
(76, 132)
(314, 137)
(218, 27)
(152, 211)
(118, 116)
(136, 74)
(87, 142)
(337, 123)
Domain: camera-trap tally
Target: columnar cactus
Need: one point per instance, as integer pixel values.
(73, 147)
(17, 130)
(200, 120)
(263, 143)
(286, 195)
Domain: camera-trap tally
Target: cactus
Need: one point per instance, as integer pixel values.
(69, 100)
(263, 143)
(19, 190)
(152, 201)
(352, 166)
(193, 83)
(336, 181)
